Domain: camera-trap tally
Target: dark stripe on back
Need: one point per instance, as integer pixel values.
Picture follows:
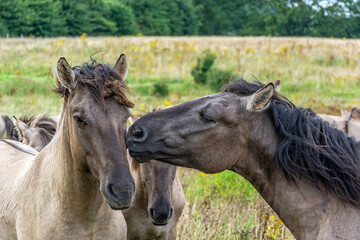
(17, 147)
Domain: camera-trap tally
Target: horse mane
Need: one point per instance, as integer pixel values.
(309, 147)
(27, 119)
(355, 113)
(101, 80)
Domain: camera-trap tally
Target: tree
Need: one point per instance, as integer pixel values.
(336, 19)
(182, 18)
(15, 18)
(151, 16)
(77, 17)
(46, 18)
(123, 17)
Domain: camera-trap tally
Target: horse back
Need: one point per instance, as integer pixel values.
(15, 159)
(14, 163)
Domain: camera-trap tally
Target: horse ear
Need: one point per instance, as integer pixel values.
(261, 98)
(65, 74)
(344, 112)
(277, 85)
(121, 66)
(21, 128)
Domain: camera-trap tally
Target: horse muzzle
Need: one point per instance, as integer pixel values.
(119, 196)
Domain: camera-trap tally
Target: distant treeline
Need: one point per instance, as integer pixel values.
(50, 18)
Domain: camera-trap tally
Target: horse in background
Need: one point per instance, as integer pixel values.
(71, 189)
(158, 203)
(36, 132)
(349, 122)
(5, 125)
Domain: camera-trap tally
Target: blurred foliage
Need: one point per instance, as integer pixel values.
(338, 18)
(162, 17)
(202, 68)
(161, 89)
(219, 77)
(205, 72)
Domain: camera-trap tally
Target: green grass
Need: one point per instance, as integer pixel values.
(323, 74)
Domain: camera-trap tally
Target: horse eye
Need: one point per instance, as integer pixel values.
(206, 118)
(79, 120)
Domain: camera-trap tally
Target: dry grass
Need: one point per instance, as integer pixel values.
(226, 206)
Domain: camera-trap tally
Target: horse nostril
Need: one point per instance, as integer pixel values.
(139, 134)
(171, 212)
(152, 213)
(110, 191)
(119, 195)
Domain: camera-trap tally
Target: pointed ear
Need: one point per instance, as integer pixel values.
(133, 119)
(21, 128)
(344, 112)
(65, 74)
(277, 85)
(121, 66)
(261, 99)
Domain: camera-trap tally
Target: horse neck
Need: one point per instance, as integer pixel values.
(140, 199)
(56, 166)
(297, 204)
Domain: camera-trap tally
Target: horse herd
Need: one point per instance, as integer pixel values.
(65, 177)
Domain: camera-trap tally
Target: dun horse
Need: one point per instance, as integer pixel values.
(306, 170)
(349, 122)
(158, 202)
(159, 198)
(5, 125)
(35, 132)
(67, 190)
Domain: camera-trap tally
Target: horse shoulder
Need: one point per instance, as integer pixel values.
(341, 213)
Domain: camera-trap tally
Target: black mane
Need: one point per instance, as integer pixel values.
(309, 147)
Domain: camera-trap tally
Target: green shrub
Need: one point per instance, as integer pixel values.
(204, 63)
(217, 78)
(161, 89)
(143, 90)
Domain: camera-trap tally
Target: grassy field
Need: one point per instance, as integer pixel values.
(320, 73)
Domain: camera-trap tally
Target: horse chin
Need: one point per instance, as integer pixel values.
(141, 157)
(118, 208)
(115, 206)
(160, 224)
